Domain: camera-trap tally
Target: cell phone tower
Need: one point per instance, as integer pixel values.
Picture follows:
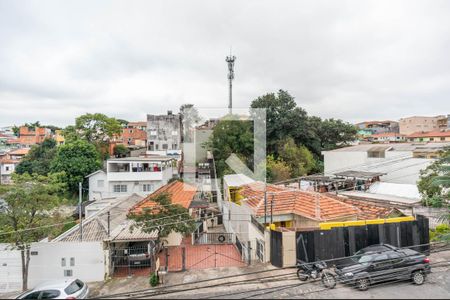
(230, 60)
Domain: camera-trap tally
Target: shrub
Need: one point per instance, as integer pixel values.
(154, 280)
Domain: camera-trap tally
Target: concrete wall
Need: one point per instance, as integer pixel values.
(46, 263)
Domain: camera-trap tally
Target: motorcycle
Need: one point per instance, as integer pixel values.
(316, 270)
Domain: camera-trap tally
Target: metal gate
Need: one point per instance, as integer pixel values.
(135, 260)
(276, 248)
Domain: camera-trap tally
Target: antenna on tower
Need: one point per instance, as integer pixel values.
(230, 60)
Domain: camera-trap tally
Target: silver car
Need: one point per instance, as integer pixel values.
(61, 289)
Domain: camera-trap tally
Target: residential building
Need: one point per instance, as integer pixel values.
(376, 127)
(422, 124)
(400, 162)
(182, 194)
(131, 175)
(433, 136)
(32, 136)
(59, 137)
(7, 168)
(164, 134)
(135, 134)
(387, 137)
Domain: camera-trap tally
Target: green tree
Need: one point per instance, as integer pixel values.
(77, 159)
(120, 150)
(277, 169)
(189, 118)
(164, 218)
(231, 135)
(299, 158)
(334, 133)
(39, 158)
(97, 129)
(435, 180)
(283, 118)
(27, 212)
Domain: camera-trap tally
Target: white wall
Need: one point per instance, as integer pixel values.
(46, 265)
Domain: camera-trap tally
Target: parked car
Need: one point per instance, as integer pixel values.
(140, 254)
(62, 289)
(382, 263)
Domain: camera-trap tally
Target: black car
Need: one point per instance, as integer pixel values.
(382, 263)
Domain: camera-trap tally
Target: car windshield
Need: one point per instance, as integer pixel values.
(74, 287)
(364, 259)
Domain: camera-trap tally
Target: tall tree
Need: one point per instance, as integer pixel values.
(189, 118)
(39, 158)
(231, 136)
(27, 212)
(77, 159)
(283, 118)
(299, 158)
(277, 169)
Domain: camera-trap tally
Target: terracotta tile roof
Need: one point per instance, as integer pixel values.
(387, 134)
(430, 134)
(310, 205)
(181, 193)
(369, 210)
(9, 161)
(21, 151)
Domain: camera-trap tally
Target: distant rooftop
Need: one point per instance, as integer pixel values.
(394, 147)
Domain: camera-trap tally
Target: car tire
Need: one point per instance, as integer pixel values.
(362, 284)
(301, 275)
(418, 277)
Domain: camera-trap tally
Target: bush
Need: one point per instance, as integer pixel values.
(154, 280)
(433, 201)
(441, 233)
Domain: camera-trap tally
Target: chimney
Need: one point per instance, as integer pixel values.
(169, 112)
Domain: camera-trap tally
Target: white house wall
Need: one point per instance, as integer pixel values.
(46, 264)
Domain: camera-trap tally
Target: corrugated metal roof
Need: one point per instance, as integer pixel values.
(130, 232)
(95, 228)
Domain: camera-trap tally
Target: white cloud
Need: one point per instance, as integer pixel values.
(345, 59)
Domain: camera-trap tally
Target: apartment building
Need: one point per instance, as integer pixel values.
(423, 124)
(164, 134)
(131, 175)
(377, 127)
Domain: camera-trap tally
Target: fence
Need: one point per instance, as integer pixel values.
(134, 260)
(214, 238)
(345, 241)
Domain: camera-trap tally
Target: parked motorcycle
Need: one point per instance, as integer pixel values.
(316, 270)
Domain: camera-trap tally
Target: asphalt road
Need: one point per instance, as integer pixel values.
(437, 285)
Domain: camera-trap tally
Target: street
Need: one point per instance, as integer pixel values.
(268, 283)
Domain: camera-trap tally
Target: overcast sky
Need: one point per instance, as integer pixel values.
(353, 60)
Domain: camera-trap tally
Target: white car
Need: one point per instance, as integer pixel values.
(62, 289)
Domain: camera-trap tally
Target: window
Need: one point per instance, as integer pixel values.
(7, 168)
(63, 262)
(147, 187)
(375, 154)
(165, 147)
(100, 183)
(74, 287)
(34, 295)
(120, 188)
(72, 261)
(50, 294)
(68, 273)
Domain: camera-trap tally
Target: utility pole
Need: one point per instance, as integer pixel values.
(80, 209)
(230, 60)
(271, 209)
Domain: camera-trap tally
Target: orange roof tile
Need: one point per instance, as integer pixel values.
(387, 134)
(369, 210)
(430, 134)
(289, 201)
(181, 193)
(20, 151)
